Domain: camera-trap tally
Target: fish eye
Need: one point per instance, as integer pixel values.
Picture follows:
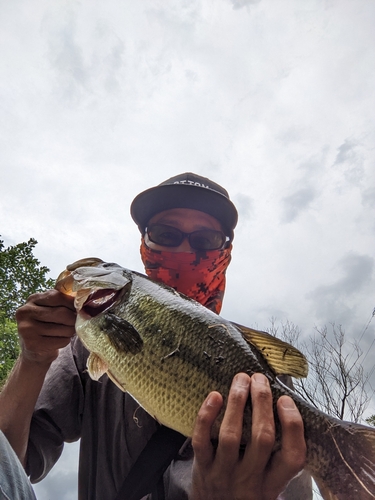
(110, 264)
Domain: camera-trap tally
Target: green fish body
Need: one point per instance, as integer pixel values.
(169, 352)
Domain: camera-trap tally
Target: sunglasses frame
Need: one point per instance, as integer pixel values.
(187, 236)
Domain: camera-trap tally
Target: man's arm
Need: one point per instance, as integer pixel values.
(259, 474)
(45, 324)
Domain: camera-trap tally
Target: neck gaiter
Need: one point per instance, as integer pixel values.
(199, 275)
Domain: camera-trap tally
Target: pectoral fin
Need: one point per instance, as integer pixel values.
(123, 336)
(281, 356)
(96, 366)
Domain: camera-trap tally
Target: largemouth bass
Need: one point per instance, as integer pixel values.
(169, 352)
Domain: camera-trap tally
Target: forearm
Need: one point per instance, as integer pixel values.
(17, 402)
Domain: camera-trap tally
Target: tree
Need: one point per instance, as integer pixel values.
(337, 382)
(9, 348)
(20, 276)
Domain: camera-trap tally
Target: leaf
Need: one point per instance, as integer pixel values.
(20, 276)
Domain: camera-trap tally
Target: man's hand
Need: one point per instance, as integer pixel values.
(259, 474)
(45, 324)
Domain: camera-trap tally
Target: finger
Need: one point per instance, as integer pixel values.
(45, 330)
(49, 318)
(49, 308)
(53, 298)
(293, 444)
(290, 459)
(231, 428)
(48, 345)
(263, 424)
(201, 439)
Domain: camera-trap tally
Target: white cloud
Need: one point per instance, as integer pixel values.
(274, 100)
(334, 302)
(62, 482)
(296, 202)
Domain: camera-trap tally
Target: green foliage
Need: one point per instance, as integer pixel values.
(371, 420)
(20, 276)
(9, 347)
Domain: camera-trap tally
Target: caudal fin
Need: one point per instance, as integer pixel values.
(342, 462)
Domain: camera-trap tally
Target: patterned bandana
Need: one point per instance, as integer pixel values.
(199, 275)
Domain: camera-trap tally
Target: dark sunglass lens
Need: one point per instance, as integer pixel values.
(207, 239)
(166, 236)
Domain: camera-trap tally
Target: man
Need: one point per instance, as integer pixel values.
(187, 225)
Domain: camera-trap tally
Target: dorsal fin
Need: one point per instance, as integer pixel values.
(282, 357)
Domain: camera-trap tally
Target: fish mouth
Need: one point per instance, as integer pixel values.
(99, 301)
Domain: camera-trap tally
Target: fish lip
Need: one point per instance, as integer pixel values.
(99, 301)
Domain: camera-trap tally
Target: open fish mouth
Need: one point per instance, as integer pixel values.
(100, 301)
(95, 285)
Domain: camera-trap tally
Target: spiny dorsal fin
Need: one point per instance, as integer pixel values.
(281, 356)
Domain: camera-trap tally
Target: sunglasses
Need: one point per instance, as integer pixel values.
(169, 236)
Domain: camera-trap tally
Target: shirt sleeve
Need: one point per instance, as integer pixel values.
(58, 413)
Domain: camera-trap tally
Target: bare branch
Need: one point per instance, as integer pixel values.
(337, 383)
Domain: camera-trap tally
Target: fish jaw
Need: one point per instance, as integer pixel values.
(92, 278)
(65, 281)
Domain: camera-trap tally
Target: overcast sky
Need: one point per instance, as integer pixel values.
(272, 99)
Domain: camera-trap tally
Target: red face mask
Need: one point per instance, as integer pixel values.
(199, 275)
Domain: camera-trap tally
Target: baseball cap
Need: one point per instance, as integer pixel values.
(186, 190)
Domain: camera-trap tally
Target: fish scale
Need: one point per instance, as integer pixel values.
(181, 369)
(169, 352)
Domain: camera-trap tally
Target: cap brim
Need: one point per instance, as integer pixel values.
(160, 198)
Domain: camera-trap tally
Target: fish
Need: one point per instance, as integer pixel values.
(169, 352)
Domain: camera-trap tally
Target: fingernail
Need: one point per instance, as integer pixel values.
(212, 400)
(259, 378)
(242, 380)
(288, 403)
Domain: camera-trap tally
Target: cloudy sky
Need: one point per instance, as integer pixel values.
(274, 100)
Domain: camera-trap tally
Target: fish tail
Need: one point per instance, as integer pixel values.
(342, 460)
